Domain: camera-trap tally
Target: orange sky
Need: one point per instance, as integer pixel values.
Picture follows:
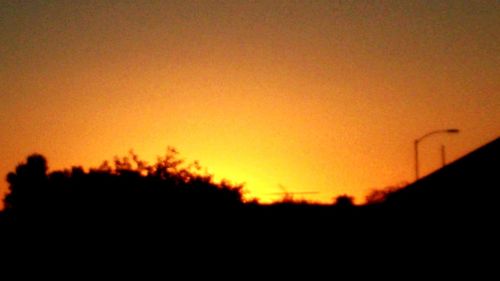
(322, 97)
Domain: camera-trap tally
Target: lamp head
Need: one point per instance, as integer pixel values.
(453, 131)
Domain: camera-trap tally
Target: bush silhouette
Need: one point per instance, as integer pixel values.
(344, 201)
(27, 183)
(126, 189)
(378, 196)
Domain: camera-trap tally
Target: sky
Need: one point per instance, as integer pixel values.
(321, 97)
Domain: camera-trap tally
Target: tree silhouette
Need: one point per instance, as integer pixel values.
(344, 201)
(127, 188)
(378, 196)
(27, 183)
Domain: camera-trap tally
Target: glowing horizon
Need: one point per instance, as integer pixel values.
(322, 97)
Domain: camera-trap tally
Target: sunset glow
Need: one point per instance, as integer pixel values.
(284, 96)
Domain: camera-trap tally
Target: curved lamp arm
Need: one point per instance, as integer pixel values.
(450, 131)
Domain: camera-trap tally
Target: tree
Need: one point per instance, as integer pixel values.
(27, 183)
(344, 201)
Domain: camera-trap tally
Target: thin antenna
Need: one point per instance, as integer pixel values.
(287, 193)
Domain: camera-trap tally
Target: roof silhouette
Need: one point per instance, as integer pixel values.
(469, 182)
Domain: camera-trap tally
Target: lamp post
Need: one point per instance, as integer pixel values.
(417, 141)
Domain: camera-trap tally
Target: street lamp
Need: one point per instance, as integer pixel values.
(417, 141)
